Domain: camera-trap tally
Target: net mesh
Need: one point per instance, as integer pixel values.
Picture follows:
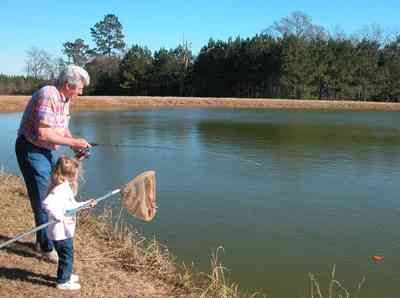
(139, 196)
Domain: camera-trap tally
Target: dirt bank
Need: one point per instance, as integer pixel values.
(91, 103)
(105, 266)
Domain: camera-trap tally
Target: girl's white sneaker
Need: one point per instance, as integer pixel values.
(74, 278)
(69, 285)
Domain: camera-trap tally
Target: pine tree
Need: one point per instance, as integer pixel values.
(135, 70)
(77, 51)
(108, 36)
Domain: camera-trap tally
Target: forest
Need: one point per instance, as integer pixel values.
(292, 58)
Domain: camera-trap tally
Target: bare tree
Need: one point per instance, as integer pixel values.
(41, 65)
(338, 34)
(55, 67)
(373, 32)
(38, 63)
(298, 24)
(391, 34)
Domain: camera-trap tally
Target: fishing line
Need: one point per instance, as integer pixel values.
(228, 156)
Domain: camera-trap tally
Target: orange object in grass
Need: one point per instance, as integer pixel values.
(377, 258)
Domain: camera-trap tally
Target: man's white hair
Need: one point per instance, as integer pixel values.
(73, 74)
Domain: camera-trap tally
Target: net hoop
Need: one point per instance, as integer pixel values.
(139, 196)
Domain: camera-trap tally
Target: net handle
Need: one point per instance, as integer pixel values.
(87, 205)
(68, 213)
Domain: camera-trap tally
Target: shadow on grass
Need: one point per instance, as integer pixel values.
(27, 250)
(23, 249)
(28, 276)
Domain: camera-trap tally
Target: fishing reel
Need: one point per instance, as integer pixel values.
(84, 152)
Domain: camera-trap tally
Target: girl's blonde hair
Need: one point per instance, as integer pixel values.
(66, 169)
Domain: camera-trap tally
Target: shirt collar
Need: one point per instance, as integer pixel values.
(63, 98)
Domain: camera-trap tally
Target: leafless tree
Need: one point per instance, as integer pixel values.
(41, 65)
(373, 32)
(298, 24)
(38, 63)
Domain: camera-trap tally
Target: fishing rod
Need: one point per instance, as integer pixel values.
(86, 151)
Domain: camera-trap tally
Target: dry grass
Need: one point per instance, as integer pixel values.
(109, 103)
(335, 288)
(218, 285)
(112, 258)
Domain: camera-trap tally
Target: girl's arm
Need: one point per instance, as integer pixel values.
(79, 204)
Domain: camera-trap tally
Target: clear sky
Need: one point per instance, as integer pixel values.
(47, 24)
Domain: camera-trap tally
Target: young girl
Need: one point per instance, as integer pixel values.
(63, 188)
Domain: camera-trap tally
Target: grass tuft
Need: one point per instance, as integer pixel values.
(335, 288)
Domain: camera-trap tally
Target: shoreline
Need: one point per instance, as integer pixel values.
(12, 104)
(112, 258)
(172, 281)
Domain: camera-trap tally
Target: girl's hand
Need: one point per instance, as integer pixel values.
(92, 203)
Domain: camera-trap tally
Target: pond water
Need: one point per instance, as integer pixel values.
(285, 192)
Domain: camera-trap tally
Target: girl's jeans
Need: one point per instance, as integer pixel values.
(36, 165)
(65, 251)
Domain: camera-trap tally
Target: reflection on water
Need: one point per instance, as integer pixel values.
(325, 191)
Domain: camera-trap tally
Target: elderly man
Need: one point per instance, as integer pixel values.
(43, 128)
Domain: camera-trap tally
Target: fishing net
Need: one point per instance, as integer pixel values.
(139, 196)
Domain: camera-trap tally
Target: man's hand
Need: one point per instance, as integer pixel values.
(82, 154)
(80, 143)
(81, 148)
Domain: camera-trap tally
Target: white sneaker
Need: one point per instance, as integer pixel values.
(74, 278)
(50, 256)
(69, 285)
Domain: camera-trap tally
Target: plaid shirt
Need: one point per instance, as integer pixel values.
(46, 106)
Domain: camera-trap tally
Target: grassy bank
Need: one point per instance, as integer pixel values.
(112, 259)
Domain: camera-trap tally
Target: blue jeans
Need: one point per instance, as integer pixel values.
(65, 251)
(36, 165)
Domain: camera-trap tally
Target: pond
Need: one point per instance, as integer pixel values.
(285, 192)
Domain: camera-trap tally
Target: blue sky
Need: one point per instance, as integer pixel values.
(48, 24)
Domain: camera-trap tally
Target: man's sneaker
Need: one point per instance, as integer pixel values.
(69, 285)
(74, 277)
(50, 256)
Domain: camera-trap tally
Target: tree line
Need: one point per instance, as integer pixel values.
(18, 84)
(292, 58)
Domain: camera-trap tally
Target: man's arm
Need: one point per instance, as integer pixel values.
(48, 134)
(68, 133)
